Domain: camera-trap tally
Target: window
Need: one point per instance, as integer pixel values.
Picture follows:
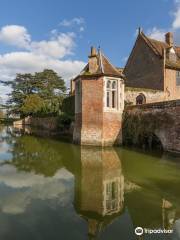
(177, 78)
(111, 94)
(111, 196)
(141, 99)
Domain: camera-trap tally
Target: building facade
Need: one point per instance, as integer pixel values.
(99, 102)
(153, 70)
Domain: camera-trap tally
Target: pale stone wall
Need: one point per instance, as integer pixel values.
(150, 95)
(170, 84)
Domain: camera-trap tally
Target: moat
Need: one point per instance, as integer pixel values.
(52, 189)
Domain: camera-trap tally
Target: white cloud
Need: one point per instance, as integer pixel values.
(37, 55)
(156, 33)
(29, 186)
(176, 21)
(15, 35)
(78, 22)
(22, 62)
(58, 46)
(81, 29)
(71, 22)
(10, 176)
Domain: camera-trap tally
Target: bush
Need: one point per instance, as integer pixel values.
(68, 105)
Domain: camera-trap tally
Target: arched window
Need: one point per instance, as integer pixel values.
(111, 94)
(108, 85)
(141, 99)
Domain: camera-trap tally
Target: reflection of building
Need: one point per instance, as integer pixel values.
(168, 214)
(99, 188)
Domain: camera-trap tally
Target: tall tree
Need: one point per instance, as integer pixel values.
(47, 86)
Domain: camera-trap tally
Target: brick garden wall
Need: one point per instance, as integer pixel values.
(162, 119)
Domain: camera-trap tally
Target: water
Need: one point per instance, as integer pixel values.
(50, 189)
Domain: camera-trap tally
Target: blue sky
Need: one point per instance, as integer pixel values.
(58, 34)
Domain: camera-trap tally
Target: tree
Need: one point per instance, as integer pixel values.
(46, 86)
(49, 84)
(22, 85)
(51, 88)
(32, 104)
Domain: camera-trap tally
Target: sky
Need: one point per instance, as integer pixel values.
(58, 34)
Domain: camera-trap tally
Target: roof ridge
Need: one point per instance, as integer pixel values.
(110, 63)
(101, 64)
(148, 41)
(155, 40)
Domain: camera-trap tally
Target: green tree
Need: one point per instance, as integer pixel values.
(22, 86)
(32, 104)
(47, 86)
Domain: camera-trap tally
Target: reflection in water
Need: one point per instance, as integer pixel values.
(112, 191)
(99, 188)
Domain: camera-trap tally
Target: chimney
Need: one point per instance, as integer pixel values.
(93, 61)
(169, 38)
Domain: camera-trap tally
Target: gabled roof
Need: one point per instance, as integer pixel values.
(105, 68)
(159, 48)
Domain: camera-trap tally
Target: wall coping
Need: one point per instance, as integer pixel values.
(156, 105)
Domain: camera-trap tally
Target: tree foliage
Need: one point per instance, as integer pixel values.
(32, 104)
(41, 93)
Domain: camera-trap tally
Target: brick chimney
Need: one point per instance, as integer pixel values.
(93, 61)
(169, 38)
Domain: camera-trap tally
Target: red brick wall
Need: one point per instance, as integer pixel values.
(77, 128)
(92, 111)
(144, 69)
(94, 126)
(112, 128)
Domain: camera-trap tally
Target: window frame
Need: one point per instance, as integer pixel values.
(117, 91)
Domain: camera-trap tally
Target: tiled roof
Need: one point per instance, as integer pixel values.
(159, 47)
(104, 67)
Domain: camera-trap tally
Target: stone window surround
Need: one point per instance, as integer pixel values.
(119, 197)
(120, 95)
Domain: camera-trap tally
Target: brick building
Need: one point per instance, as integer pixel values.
(153, 70)
(99, 102)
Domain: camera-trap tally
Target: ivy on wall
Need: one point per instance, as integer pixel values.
(139, 125)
